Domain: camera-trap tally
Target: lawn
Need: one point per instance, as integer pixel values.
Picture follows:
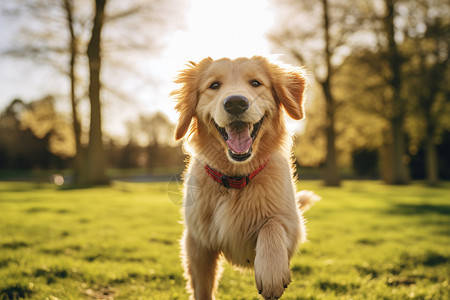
(366, 241)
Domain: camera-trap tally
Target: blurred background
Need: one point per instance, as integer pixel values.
(84, 84)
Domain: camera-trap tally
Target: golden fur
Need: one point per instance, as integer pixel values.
(257, 226)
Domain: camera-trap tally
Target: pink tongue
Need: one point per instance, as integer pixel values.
(239, 140)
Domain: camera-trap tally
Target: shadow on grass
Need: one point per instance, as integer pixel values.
(73, 187)
(340, 288)
(15, 291)
(14, 245)
(17, 187)
(429, 259)
(420, 209)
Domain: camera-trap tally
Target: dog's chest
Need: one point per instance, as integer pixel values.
(235, 224)
(228, 219)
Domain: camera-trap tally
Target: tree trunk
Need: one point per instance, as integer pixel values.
(400, 173)
(431, 160)
(331, 175)
(386, 158)
(96, 164)
(78, 159)
(431, 156)
(426, 100)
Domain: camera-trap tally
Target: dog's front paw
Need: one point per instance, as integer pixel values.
(271, 278)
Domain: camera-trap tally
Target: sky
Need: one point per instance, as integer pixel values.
(214, 28)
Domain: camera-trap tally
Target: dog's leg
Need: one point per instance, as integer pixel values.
(201, 269)
(272, 273)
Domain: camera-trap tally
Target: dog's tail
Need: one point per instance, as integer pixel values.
(306, 199)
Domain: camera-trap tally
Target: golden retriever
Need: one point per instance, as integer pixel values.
(239, 197)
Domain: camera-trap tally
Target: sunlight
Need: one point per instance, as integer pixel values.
(209, 28)
(224, 29)
(212, 29)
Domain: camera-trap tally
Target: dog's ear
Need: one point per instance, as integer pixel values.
(186, 97)
(289, 90)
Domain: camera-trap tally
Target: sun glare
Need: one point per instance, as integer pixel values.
(210, 28)
(225, 29)
(214, 29)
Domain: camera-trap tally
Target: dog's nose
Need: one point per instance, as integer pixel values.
(235, 104)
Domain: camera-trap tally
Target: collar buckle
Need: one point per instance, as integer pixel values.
(225, 181)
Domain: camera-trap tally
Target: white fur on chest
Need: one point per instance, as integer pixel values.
(235, 230)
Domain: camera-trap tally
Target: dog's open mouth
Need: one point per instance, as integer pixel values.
(239, 137)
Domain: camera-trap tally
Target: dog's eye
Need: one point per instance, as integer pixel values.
(255, 83)
(215, 85)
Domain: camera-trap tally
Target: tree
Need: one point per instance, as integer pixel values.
(43, 120)
(427, 43)
(47, 45)
(60, 48)
(409, 90)
(159, 131)
(360, 121)
(364, 120)
(331, 176)
(96, 167)
(319, 37)
(394, 26)
(33, 135)
(154, 134)
(394, 61)
(74, 51)
(51, 46)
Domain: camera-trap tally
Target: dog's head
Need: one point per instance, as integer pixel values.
(236, 104)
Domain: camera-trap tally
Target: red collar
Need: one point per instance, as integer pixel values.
(235, 182)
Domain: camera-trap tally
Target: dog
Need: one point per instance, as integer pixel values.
(239, 195)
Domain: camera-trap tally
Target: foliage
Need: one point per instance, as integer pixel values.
(390, 67)
(47, 43)
(366, 241)
(42, 118)
(33, 136)
(301, 42)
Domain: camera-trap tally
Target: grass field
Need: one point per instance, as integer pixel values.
(366, 241)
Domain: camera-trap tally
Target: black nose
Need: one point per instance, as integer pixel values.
(236, 105)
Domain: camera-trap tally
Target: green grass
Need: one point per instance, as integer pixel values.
(366, 241)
